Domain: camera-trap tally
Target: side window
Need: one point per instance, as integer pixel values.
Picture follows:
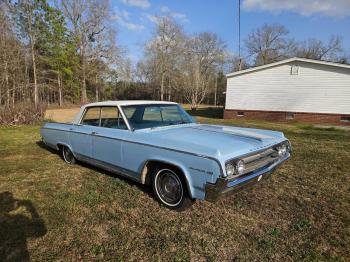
(111, 118)
(91, 117)
(171, 113)
(152, 114)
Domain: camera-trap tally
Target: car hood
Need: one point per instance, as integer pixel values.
(221, 142)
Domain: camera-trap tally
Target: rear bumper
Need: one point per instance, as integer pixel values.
(224, 187)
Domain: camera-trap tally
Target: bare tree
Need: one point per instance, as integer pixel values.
(236, 63)
(269, 44)
(28, 15)
(102, 53)
(204, 53)
(163, 51)
(316, 49)
(12, 62)
(88, 19)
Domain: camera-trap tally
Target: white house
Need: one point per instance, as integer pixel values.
(295, 88)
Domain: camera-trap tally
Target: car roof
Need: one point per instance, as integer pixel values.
(127, 103)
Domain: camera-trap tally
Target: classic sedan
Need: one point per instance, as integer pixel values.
(159, 144)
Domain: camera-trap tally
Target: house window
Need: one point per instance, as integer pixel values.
(345, 118)
(240, 114)
(289, 116)
(294, 70)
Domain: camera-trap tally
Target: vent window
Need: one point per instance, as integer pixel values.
(289, 116)
(294, 70)
(345, 118)
(240, 114)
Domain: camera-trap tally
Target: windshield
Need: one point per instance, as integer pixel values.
(150, 116)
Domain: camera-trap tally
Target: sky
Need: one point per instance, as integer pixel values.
(135, 20)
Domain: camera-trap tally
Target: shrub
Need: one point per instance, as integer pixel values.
(21, 114)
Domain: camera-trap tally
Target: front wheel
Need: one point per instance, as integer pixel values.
(170, 189)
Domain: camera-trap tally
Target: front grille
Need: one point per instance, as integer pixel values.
(259, 160)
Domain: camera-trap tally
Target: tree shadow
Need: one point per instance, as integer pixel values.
(19, 221)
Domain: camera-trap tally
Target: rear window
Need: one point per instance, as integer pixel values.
(92, 117)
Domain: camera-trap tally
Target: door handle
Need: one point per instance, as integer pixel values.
(93, 133)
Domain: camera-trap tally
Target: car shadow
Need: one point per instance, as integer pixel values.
(144, 188)
(19, 221)
(43, 146)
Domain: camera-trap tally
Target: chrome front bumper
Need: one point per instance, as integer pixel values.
(224, 186)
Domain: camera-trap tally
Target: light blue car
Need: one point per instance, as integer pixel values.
(159, 144)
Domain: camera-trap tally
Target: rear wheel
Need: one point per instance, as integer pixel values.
(68, 156)
(170, 189)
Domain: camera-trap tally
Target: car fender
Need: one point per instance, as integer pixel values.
(172, 162)
(60, 143)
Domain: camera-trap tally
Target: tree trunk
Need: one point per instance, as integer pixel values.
(96, 89)
(26, 82)
(216, 89)
(83, 68)
(7, 86)
(13, 90)
(8, 97)
(36, 97)
(162, 88)
(60, 102)
(169, 92)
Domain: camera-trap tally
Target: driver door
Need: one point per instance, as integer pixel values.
(80, 136)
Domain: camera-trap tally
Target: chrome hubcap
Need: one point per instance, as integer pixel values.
(169, 187)
(67, 154)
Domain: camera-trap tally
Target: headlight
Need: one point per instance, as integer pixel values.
(235, 168)
(230, 169)
(283, 149)
(240, 167)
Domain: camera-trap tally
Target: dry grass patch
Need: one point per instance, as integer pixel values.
(301, 213)
(65, 115)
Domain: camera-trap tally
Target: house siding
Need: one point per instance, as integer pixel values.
(317, 89)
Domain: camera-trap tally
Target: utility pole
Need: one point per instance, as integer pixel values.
(239, 36)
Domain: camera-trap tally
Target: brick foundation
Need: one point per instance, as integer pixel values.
(315, 118)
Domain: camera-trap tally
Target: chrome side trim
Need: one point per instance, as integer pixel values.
(109, 167)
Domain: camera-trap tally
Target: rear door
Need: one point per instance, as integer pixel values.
(81, 134)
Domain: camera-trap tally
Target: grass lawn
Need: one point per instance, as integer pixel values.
(52, 211)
